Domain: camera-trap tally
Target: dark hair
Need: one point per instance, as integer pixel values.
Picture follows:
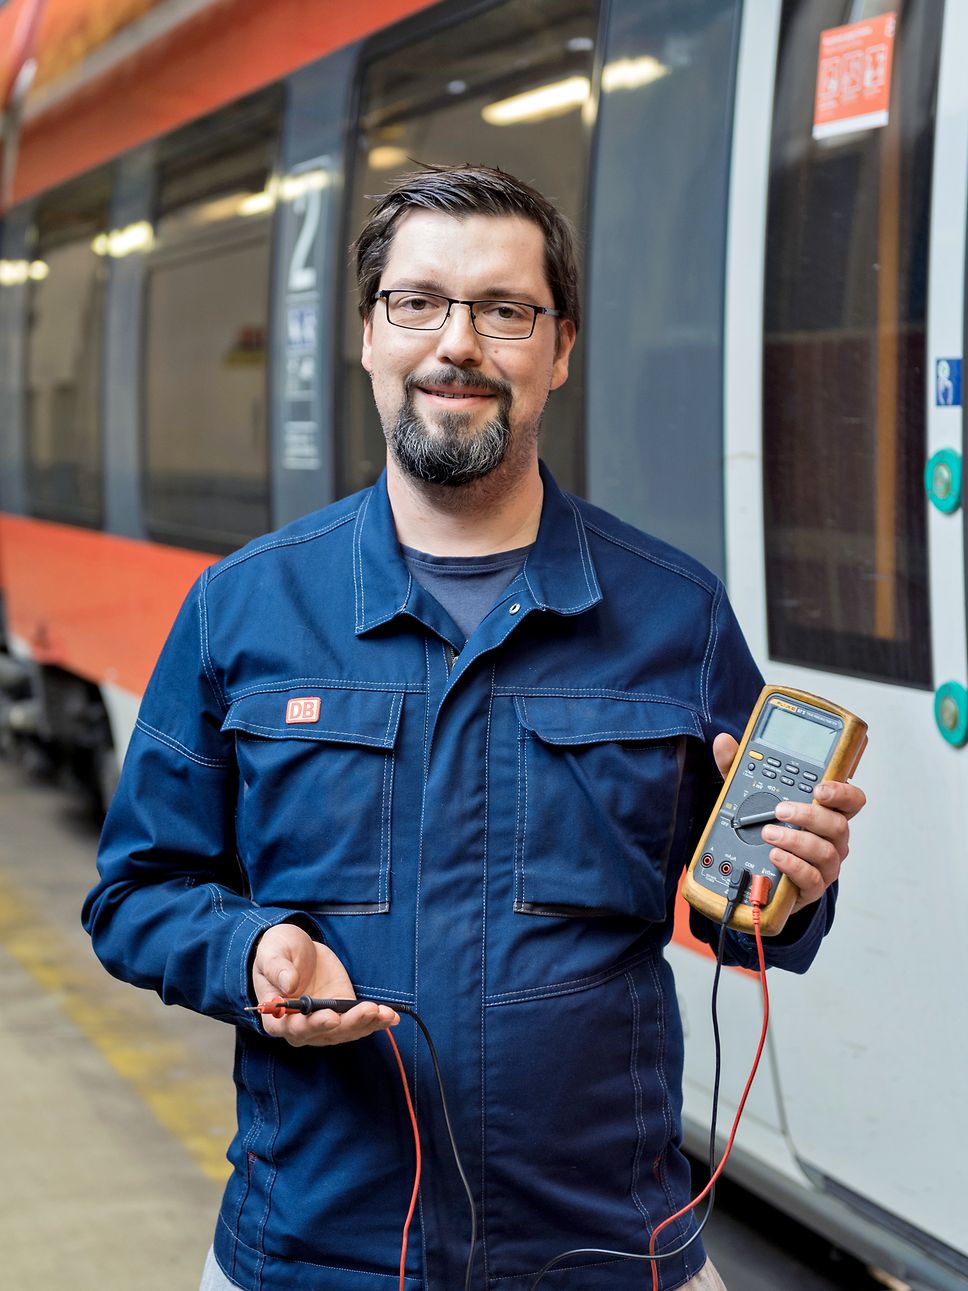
(468, 190)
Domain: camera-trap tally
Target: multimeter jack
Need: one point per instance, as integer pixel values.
(792, 742)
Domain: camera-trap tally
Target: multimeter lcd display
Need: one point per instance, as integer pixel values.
(794, 734)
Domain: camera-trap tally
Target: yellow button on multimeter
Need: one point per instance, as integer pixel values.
(792, 742)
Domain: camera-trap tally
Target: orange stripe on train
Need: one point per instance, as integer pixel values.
(96, 605)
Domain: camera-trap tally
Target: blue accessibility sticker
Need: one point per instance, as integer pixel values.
(947, 383)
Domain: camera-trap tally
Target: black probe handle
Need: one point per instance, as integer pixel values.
(309, 1004)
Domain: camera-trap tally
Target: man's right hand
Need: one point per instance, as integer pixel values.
(288, 962)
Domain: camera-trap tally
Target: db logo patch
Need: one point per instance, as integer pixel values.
(302, 710)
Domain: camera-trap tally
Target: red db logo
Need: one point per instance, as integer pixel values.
(302, 710)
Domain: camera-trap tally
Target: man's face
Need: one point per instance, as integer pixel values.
(455, 405)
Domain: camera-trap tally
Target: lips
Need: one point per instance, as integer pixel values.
(454, 386)
(449, 392)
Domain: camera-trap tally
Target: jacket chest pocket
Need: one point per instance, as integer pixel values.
(598, 786)
(314, 816)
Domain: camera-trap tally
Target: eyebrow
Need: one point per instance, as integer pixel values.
(489, 293)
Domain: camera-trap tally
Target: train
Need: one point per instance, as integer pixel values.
(771, 201)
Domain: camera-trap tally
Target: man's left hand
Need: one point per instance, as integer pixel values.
(812, 854)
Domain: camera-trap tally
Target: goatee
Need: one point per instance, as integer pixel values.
(448, 454)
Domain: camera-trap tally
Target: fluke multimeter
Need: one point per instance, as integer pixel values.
(792, 742)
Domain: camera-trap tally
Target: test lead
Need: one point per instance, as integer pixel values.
(278, 1006)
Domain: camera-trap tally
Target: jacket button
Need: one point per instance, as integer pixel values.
(514, 608)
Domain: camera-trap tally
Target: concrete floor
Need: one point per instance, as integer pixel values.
(116, 1110)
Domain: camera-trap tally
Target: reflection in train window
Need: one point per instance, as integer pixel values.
(844, 361)
(206, 451)
(505, 88)
(64, 347)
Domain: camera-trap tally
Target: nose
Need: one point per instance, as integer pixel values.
(457, 341)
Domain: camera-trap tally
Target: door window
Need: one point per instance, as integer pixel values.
(844, 360)
(64, 352)
(207, 301)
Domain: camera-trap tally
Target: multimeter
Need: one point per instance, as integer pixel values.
(792, 742)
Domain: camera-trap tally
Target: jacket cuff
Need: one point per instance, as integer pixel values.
(796, 946)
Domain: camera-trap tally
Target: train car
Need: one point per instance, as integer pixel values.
(771, 198)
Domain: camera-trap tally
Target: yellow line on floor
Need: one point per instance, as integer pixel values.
(197, 1109)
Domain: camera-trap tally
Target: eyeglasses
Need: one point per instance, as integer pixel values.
(502, 320)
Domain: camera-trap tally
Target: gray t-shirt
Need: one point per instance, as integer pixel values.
(466, 586)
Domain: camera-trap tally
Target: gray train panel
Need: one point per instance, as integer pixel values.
(13, 322)
(307, 259)
(659, 188)
(131, 203)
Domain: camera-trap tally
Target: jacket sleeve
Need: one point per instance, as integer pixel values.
(169, 911)
(732, 687)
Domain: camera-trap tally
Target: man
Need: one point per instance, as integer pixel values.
(446, 743)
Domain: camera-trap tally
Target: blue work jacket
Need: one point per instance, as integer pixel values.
(491, 832)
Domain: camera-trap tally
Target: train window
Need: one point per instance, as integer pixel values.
(844, 361)
(64, 349)
(504, 87)
(207, 305)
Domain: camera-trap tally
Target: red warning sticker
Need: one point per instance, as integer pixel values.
(854, 76)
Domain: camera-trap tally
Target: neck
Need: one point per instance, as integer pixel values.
(493, 514)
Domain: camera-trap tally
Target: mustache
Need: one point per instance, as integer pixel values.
(458, 378)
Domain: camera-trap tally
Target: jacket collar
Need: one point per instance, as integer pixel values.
(559, 571)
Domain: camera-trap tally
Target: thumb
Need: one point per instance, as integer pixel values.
(284, 961)
(280, 972)
(725, 749)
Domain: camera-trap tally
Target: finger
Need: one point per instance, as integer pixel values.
(817, 848)
(284, 961)
(724, 751)
(810, 882)
(811, 820)
(811, 863)
(279, 974)
(327, 1027)
(848, 799)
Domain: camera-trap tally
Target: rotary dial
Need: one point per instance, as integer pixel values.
(753, 813)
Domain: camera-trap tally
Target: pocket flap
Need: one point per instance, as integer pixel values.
(595, 719)
(340, 715)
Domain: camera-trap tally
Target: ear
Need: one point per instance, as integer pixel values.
(366, 358)
(566, 341)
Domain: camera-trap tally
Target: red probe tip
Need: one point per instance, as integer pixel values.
(278, 1007)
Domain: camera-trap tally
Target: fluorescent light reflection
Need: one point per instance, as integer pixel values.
(14, 273)
(284, 189)
(307, 181)
(546, 101)
(386, 157)
(122, 242)
(564, 96)
(630, 73)
(257, 203)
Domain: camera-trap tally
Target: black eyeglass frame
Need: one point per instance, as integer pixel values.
(386, 293)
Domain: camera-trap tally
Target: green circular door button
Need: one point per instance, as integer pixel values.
(942, 479)
(951, 712)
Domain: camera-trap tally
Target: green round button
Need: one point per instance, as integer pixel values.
(951, 712)
(942, 479)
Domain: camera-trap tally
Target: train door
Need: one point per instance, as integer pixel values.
(845, 327)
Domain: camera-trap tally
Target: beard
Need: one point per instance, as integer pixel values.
(449, 454)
